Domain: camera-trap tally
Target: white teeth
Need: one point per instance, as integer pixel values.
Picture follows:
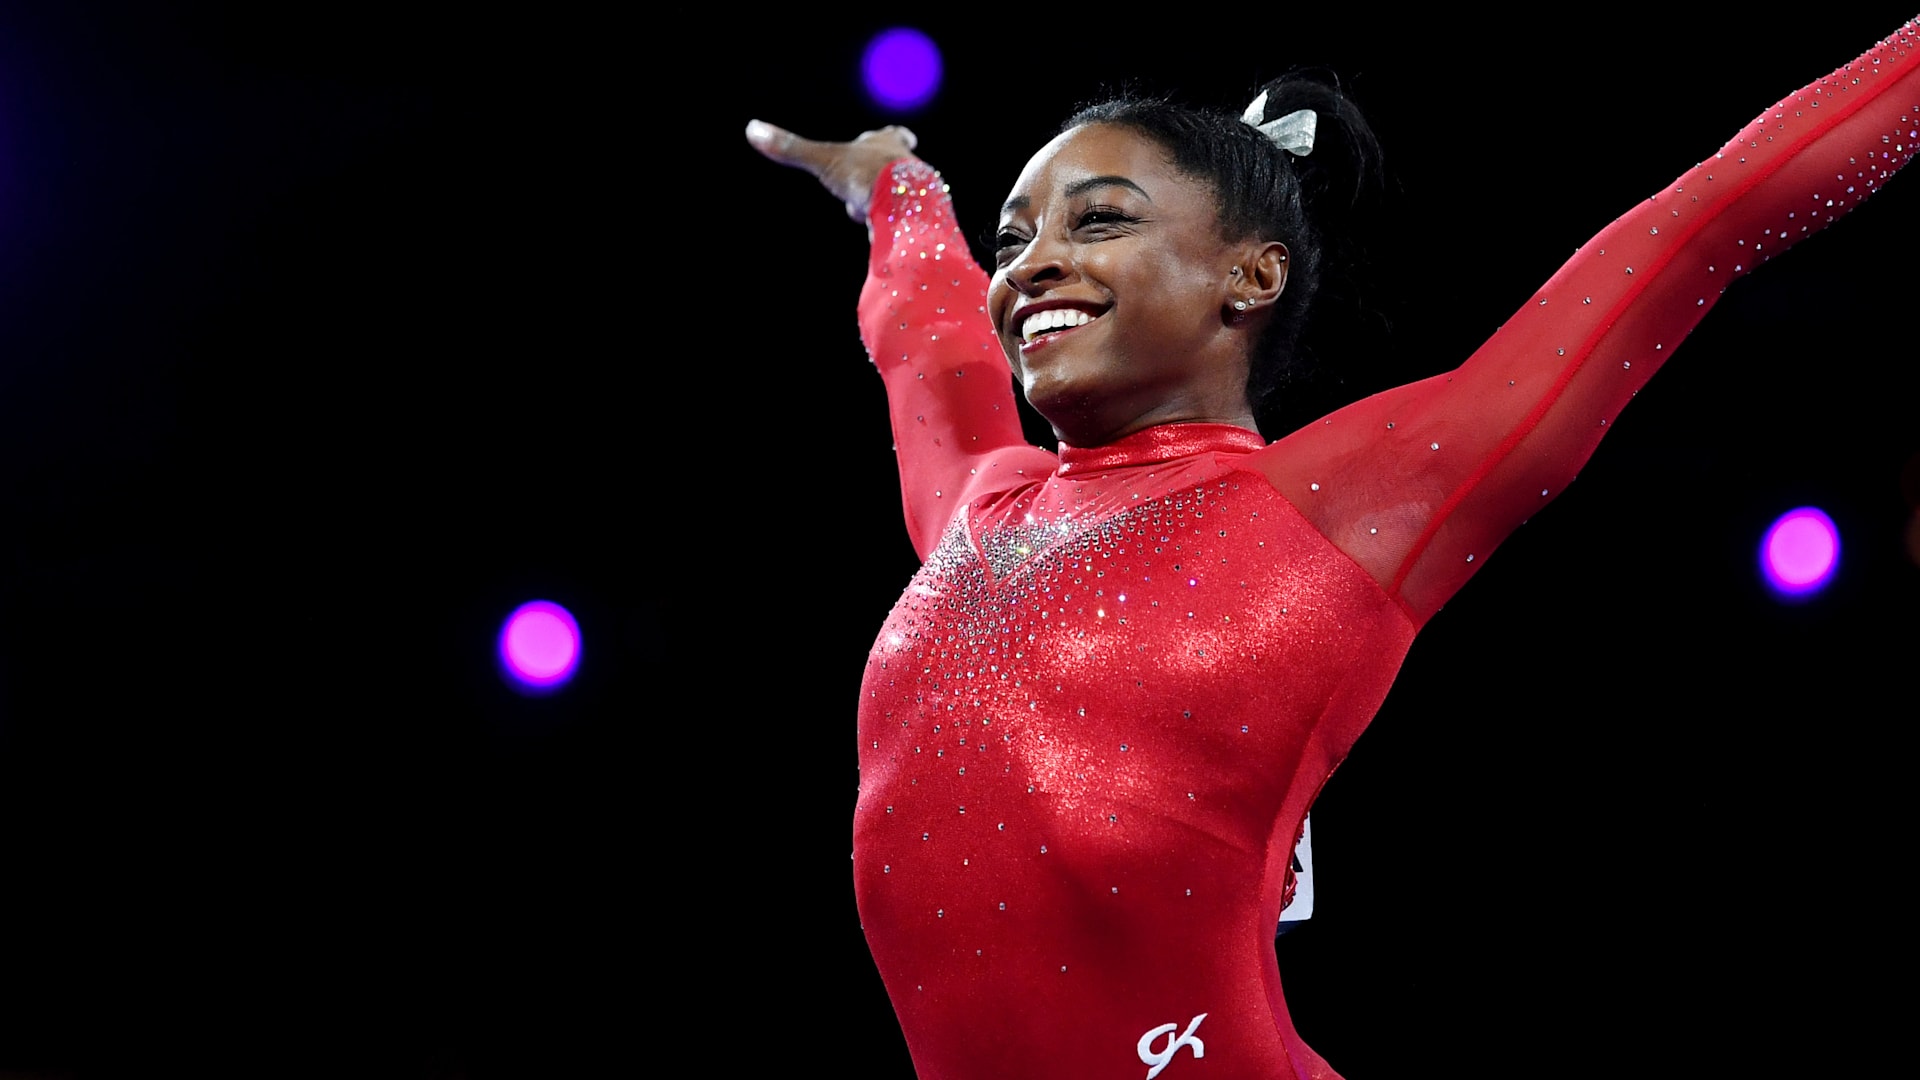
(1056, 319)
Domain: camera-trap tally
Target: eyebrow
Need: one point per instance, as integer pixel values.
(1078, 188)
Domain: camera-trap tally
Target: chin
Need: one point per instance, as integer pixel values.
(1074, 418)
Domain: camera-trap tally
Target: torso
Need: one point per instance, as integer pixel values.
(1088, 733)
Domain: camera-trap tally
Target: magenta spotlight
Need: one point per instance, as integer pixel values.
(539, 646)
(1800, 552)
(901, 69)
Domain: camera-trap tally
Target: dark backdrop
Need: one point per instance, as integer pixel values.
(326, 339)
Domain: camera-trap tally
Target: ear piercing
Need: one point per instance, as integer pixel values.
(1240, 305)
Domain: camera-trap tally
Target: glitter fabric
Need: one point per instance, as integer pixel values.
(1092, 725)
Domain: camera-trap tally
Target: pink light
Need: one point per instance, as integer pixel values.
(540, 646)
(1800, 552)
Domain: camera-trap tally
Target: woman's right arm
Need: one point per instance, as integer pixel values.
(956, 428)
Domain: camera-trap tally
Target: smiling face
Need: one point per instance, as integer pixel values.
(1113, 291)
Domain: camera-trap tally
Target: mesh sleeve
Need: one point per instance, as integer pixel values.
(1420, 483)
(956, 429)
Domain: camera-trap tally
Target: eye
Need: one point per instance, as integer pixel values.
(1007, 244)
(1104, 218)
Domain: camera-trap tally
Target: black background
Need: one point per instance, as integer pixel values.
(325, 339)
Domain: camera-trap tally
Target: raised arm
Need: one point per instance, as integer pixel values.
(1419, 484)
(923, 318)
(956, 429)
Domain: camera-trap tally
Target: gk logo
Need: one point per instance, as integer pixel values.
(1158, 1059)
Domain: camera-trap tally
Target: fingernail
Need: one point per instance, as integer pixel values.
(759, 132)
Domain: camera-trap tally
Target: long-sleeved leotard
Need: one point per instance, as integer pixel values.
(1091, 727)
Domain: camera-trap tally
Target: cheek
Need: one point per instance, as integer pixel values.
(998, 297)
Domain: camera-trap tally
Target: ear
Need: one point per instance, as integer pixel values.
(1257, 280)
(1264, 273)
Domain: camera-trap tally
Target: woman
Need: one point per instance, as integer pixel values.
(1092, 727)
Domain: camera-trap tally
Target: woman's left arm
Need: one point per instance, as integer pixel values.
(1419, 484)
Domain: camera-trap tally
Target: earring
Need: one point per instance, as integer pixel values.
(1239, 305)
(1236, 271)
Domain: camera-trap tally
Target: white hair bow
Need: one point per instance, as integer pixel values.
(1292, 132)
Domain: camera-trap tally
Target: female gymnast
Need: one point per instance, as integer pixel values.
(1091, 728)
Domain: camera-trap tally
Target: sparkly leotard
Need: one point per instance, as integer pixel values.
(1091, 727)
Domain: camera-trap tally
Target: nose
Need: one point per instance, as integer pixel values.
(1042, 264)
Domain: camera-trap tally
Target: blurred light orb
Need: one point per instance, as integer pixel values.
(1800, 552)
(901, 69)
(539, 646)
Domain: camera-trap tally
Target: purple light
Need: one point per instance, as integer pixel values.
(539, 646)
(1800, 552)
(901, 69)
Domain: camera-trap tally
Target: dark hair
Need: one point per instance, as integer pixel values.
(1265, 192)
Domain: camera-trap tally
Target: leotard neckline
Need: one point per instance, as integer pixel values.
(1166, 442)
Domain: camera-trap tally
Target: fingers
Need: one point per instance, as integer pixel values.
(785, 147)
(846, 169)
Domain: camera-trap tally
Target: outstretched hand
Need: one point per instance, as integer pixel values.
(846, 169)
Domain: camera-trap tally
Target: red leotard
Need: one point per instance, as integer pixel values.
(1091, 727)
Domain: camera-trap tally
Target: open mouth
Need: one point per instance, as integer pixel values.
(1052, 322)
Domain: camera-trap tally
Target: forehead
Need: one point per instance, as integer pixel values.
(1105, 150)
